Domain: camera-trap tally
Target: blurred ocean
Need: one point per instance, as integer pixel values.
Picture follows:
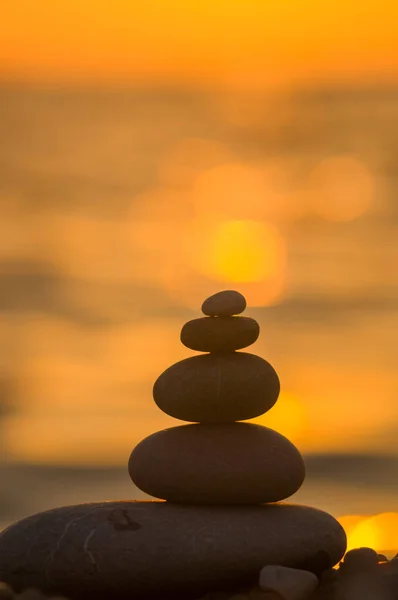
(96, 187)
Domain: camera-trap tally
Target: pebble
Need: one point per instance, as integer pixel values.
(256, 593)
(224, 304)
(382, 558)
(217, 388)
(359, 559)
(219, 334)
(364, 586)
(328, 585)
(6, 591)
(288, 583)
(31, 593)
(234, 463)
(126, 549)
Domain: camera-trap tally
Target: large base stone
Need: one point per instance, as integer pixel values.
(148, 549)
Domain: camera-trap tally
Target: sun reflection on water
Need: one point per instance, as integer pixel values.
(379, 532)
(288, 416)
(243, 251)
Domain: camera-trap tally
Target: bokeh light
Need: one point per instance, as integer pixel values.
(288, 416)
(240, 191)
(377, 531)
(161, 152)
(231, 190)
(187, 159)
(242, 252)
(342, 188)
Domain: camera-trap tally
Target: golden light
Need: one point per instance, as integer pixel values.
(192, 258)
(367, 534)
(198, 41)
(341, 188)
(102, 439)
(141, 351)
(186, 160)
(349, 522)
(185, 285)
(287, 416)
(379, 532)
(159, 205)
(256, 190)
(232, 191)
(214, 254)
(84, 247)
(242, 252)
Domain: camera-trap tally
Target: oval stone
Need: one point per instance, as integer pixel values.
(219, 334)
(217, 388)
(224, 304)
(233, 463)
(139, 549)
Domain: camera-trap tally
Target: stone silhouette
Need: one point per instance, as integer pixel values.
(218, 461)
(220, 482)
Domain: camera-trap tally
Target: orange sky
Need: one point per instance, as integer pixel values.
(227, 42)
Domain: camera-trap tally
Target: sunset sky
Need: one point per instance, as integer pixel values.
(157, 151)
(204, 204)
(243, 43)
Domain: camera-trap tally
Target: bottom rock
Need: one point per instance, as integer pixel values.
(132, 549)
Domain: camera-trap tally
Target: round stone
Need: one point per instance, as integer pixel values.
(217, 388)
(130, 549)
(382, 558)
(233, 463)
(219, 334)
(224, 304)
(359, 559)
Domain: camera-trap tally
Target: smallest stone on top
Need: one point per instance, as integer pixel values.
(220, 330)
(224, 304)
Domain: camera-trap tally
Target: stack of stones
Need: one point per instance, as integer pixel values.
(218, 461)
(222, 480)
